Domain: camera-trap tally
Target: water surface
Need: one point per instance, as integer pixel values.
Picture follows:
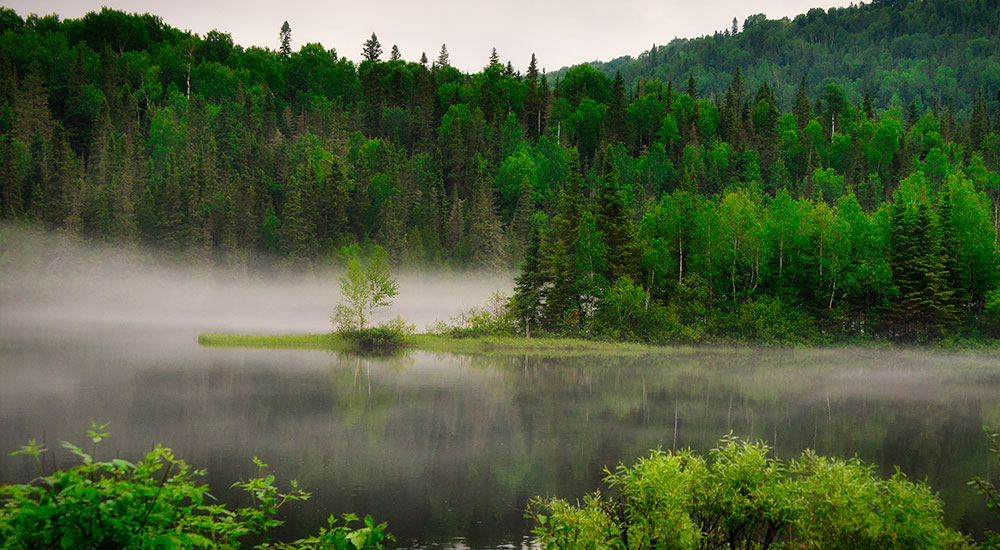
(449, 448)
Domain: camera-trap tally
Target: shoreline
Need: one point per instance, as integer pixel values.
(560, 345)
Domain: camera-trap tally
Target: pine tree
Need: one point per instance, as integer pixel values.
(442, 60)
(11, 202)
(285, 35)
(494, 57)
(912, 116)
(867, 107)
(562, 306)
(372, 50)
(979, 124)
(423, 59)
(533, 101)
(526, 304)
(395, 53)
(616, 227)
(924, 305)
(692, 88)
(802, 110)
(485, 230)
(616, 111)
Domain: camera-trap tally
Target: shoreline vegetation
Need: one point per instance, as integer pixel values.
(430, 342)
(546, 344)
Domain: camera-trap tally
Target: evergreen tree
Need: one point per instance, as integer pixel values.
(616, 111)
(534, 101)
(494, 58)
(615, 226)
(692, 88)
(285, 36)
(867, 107)
(485, 230)
(979, 125)
(529, 294)
(924, 306)
(442, 60)
(11, 202)
(372, 50)
(801, 109)
(395, 56)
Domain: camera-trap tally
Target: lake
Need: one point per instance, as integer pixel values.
(446, 448)
(449, 448)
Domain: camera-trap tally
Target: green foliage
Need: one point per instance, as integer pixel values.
(494, 318)
(741, 497)
(364, 289)
(988, 488)
(156, 502)
(768, 320)
(386, 337)
(809, 169)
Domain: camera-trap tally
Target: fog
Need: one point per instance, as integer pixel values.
(51, 281)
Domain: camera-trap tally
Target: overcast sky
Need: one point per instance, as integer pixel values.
(559, 32)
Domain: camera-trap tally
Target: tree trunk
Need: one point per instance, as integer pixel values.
(680, 261)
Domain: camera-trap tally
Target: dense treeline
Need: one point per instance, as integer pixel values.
(648, 212)
(930, 52)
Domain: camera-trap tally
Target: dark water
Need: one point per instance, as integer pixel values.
(449, 448)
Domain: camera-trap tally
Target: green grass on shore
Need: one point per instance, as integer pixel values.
(429, 342)
(538, 346)
(288, 341)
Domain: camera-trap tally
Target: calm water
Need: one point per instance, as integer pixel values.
(449, 448)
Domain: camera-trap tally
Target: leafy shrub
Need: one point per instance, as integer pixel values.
(388, 336)
(989, 488)
(493, 319)
(628, 313)
(768, 320)
(156, 502)
(744, 498)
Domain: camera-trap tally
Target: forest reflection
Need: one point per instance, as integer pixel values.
(448, 448)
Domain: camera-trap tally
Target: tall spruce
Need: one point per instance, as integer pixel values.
(614, 224)
(443, 60)
(923, 307)
(529, 285)
(285, 37)
(371, 49)
(802, 110)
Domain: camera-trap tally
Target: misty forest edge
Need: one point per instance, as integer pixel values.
(833, 177)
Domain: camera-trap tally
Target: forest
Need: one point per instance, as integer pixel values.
(832, 177)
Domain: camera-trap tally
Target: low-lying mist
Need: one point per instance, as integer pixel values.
(56, 282)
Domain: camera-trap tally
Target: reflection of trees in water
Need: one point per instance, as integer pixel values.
(443, 444)
(481, 431)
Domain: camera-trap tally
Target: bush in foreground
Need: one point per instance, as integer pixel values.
(155, 503)
(743, 498)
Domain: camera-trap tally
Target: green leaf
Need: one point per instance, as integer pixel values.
(358, 537)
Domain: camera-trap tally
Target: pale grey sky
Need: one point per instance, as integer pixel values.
(559, 32)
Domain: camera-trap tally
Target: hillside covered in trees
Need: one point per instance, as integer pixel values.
(657, 210)
(929, 52)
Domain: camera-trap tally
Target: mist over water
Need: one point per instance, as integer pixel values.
(447, 448)
(51, 281)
